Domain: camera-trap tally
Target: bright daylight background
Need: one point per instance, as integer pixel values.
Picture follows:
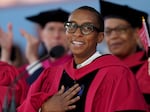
(15, 11)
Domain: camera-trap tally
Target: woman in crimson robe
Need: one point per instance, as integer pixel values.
(122, 24)
(106, 84)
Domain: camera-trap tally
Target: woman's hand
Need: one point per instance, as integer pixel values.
(63, 100)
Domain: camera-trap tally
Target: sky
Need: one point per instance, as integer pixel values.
(17, 14)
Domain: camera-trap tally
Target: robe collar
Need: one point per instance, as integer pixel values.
(135, 59)
(89, 60)
(100, 62)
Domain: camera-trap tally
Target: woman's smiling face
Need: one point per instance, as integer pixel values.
(83, 46)
(120, 37)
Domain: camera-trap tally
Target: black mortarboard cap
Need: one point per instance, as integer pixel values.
(56, 15)
(133, 16)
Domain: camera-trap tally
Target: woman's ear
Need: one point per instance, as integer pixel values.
(100, 37)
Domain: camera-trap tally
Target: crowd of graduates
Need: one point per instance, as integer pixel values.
(75, 76)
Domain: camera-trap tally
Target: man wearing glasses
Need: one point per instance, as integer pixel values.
(106, 85)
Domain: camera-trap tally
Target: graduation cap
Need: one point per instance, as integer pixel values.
(133, 16)
(57, 15)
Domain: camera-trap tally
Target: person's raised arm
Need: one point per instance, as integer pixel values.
(6, 42)
(31, 51)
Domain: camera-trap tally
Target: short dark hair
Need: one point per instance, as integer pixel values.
(98, 15)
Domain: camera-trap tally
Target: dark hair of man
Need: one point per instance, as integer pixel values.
(97, 15)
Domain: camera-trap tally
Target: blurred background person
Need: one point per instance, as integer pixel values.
(122, 25)
(52, 36)
(10, 54)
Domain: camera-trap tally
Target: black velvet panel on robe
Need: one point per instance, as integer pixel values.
(84, 83)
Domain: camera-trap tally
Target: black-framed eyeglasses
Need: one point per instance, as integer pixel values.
(85, 28)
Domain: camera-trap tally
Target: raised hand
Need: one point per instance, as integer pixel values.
(6, 42)
(63, 100)
(31, 51)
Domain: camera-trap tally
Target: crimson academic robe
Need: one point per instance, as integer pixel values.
(113, 88)
(7, 76)
(138, 63)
